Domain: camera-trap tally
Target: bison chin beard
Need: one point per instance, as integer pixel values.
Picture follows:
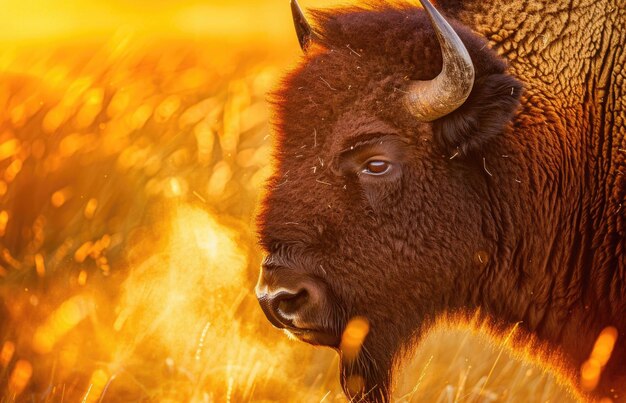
(367, 377)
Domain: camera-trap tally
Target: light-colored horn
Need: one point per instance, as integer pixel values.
(430, 100)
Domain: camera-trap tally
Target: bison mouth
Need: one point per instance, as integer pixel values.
(315, 335)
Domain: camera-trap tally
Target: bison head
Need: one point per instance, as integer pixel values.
(378, 206)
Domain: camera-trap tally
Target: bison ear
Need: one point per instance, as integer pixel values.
(488, 109)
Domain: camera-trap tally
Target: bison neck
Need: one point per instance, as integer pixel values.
(561, 247)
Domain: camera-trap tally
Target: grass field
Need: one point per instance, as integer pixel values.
(129, 172)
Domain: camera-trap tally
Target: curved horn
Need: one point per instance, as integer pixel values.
(303, 29)
(430, 100)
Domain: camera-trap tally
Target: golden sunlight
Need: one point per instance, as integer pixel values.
(134, 143)
(353, 337)
(602, 349)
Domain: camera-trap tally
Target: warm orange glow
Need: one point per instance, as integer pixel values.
(4, 218)
(90, 208)
(40, 266)
(592, 368)
(20, 377)
(54, 20)
(6, 354)
(68, 356)
(62, 320)
(353, 337)
(60, 197)
(82, 277)
(13, 170)
(97, 384)
(8, 148)
(604, 344)
(590, 374)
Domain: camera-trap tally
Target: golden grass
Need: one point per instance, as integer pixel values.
(129, 172)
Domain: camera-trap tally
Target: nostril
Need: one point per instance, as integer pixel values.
(288, 303)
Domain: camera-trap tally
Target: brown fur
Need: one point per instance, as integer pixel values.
(492, 179)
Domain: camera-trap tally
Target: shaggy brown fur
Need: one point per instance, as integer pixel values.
(526, 187)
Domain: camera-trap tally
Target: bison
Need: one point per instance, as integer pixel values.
(472, 164)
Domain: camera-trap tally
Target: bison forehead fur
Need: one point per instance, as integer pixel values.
(495, 207)
(363, 63)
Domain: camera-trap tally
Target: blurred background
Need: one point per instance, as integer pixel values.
(134, 142)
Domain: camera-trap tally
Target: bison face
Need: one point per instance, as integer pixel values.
(371, 212)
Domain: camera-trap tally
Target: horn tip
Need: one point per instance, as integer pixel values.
(303, 29)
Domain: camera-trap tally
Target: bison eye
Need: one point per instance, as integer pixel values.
(376, 167)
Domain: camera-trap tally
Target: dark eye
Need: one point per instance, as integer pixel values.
(376, 167)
